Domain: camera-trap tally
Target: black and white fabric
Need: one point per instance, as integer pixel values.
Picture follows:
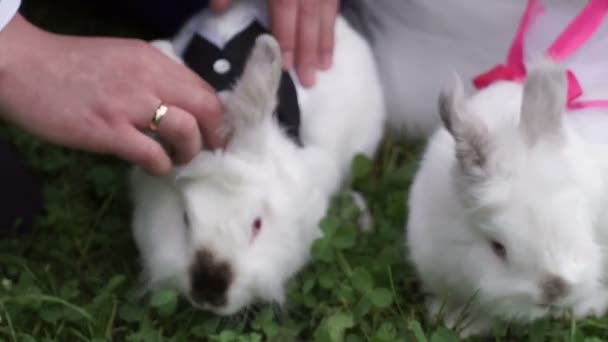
(218, 51)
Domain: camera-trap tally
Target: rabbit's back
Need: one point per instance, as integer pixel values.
(344, 113)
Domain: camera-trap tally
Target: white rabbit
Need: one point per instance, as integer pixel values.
(507, 213)
(233, 226)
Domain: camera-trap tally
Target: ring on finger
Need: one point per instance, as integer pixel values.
(159, 114)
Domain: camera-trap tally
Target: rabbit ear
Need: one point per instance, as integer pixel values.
(254, 96)
(544, 101)
(471, 137)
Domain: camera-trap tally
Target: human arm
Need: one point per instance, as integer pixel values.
(99, 94)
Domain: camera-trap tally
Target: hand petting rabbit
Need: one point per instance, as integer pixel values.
(233, 226)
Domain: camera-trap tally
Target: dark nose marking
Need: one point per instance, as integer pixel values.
(210, 279)
(553, 288)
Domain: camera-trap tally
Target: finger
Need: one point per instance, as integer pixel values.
(307, 41)
(136, 147)
(213, 127)
(179, 86)
(283, 19)
(162, 65)
(203, 105)
(328, 13)
(179, 129)
(219, 5)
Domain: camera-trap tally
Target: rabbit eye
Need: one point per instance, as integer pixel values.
(498, 249)
(256, 227)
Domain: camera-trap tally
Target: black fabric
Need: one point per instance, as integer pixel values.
(20, 198)
(161, 18)
(201, 54)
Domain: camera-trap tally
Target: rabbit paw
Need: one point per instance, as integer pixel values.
(456, 318)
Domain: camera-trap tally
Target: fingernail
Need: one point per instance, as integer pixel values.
(288, 60)
(307, 74)
(326, 60)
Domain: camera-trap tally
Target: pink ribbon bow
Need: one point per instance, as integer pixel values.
(576, 34)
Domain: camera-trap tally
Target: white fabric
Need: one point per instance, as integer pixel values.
(219, 29)
(8, 9)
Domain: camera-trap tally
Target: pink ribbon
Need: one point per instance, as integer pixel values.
(576, 34)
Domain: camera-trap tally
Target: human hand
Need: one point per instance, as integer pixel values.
(305, 32)
(99, 95)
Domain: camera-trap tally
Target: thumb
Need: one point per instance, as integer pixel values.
(219, 5)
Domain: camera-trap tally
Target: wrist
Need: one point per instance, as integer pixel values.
(17, 37)
(18, 41)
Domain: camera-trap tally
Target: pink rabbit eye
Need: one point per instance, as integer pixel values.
(256, 227)
(498, 249)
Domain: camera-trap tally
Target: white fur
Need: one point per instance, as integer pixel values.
(545, 202)
(262, 173)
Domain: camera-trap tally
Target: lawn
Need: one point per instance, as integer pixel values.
(76, 278)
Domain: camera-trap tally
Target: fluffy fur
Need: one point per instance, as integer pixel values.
(507, 211)
(233, 226)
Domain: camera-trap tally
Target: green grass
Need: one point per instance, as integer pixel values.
(76, 279)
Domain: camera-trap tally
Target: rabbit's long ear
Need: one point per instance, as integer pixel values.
(471, 137)
(254, 96)
(544, 101)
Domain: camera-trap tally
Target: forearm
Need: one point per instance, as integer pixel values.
(9, 23)
(16, 32)
(19, 40)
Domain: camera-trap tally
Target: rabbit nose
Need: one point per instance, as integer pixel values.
(554, 288)
(210, 279)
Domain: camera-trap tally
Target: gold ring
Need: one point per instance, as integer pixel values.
(159, 113)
